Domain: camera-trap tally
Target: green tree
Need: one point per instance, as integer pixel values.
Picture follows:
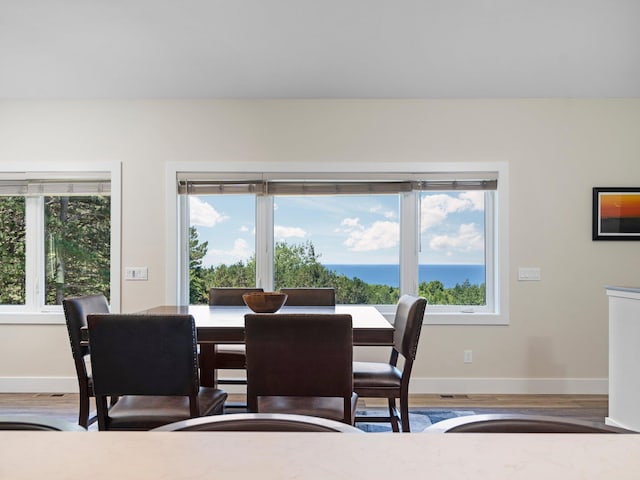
(435, 293)
(78, 248)
(299, 266)
(197, 284)
(12, 250)
(201, 278)
(467, 294)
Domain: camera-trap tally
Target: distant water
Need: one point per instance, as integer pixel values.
(449, 275)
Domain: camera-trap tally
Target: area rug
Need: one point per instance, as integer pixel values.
(418, 419)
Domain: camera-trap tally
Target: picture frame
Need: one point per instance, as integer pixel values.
(616, 213)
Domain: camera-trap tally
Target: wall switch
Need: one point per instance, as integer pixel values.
(468, 356)
(529, 274)
(136, 273)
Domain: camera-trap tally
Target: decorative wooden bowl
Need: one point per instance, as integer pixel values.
(264, 302)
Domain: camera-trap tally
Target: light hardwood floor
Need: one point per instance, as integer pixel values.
(590, 407)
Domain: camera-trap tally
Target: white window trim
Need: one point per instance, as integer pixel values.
(53, 314)
(176, 264)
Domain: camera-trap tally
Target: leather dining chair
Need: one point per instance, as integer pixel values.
(300, 364)
(230, 357)
(75, 313)
(387, 379)
(39, 423)
(259, 422)
(230, 296)
(151, 363)
(306, 297)
(519, 423)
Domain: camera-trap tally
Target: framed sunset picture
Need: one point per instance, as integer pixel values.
(616, 213)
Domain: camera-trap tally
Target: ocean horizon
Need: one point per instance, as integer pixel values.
(384, 274)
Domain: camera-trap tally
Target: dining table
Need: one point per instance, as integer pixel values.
(225, 325)
(321, 456)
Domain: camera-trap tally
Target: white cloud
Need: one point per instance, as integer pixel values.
(475, 198)
(350, 222)
(385, 213)
(434, 209)
(202, 214)
(378, 235)
(280, 232)
(244, 228)
(239, 251)
(468, 239)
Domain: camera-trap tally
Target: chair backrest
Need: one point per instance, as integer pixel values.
(143, 354)
(408, 324)
(229, 296)
(306, 355)
(76, 310)
(305, 297)
(258, 422)
(15, 422)
(519, 423)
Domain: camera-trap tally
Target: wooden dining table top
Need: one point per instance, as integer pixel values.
(225, 324)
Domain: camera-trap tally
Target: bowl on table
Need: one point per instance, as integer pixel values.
(264, 302)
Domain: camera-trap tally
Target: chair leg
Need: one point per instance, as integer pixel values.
(404, 412)
(103, 412)
(393, 414)
(83, 410)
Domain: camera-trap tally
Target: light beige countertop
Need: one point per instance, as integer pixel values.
(322, 456)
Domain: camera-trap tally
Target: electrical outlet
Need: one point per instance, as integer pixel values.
(468, 356)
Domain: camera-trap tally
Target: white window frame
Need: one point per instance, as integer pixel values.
(496, 231)
(34, 311)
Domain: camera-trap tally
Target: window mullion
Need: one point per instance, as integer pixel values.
(265, 247)
(34, 258)
(491, 245)
(409, 235)
(183, 249)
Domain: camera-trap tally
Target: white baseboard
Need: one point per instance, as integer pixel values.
(514, 386)
(38, 385)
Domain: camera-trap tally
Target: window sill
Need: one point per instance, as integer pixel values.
(451, 318)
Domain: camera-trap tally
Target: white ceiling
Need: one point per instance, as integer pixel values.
(319, 48)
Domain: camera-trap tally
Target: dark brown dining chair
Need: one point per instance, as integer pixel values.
(230, 357)
(300, 364)
(151, 363)
(75, 313)
(230, 296)
(258, 422)
(387, 379)
(519, 423)
(310, 297)
(39, 423)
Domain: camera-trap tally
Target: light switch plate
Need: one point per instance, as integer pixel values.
(529, 274)
(136, 273)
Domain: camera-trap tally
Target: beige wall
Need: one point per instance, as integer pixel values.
(557, 150)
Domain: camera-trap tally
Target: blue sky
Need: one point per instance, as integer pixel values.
(345, 229)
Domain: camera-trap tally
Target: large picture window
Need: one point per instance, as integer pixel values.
(372, 237)
(57, 239)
